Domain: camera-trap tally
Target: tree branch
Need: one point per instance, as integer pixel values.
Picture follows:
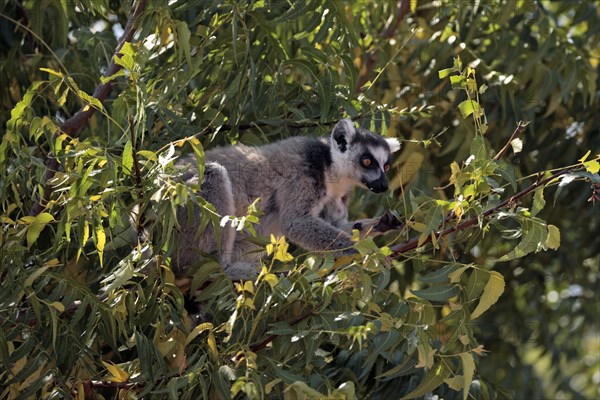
(413, 243)
(81, 117)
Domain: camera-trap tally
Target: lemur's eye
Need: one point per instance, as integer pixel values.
(386, 167)
(366, 162)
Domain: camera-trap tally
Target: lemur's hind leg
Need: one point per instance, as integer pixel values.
(216, 189)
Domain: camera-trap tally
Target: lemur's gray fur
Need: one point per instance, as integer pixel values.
(303, 183)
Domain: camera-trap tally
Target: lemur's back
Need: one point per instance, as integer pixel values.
(260, 171)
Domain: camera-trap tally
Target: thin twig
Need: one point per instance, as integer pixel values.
(389, 31)
(520, 128)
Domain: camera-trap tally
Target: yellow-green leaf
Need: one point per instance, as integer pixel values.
(212, 345)
(272, 280)
(553, 239)
(468, 365)
(432, 379)
(538, 202)
(582, 159)
(52, 72)
(100, 239)
(58, 306)
(36, 226)
(128, 157)
(592, 166)
(469, 107)
(491, 293)
(116, 372)
(198, 330)
(454, 276)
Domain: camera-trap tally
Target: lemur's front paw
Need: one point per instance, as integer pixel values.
(388, 222)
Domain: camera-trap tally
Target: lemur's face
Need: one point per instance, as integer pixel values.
(364, 157)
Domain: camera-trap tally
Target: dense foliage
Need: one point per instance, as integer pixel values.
(485, 291)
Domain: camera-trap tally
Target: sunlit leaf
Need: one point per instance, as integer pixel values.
(432, 379)
(491, 293)
(468, 366)
(36, 226)
(553, 239)
(117, 374)
(538, 202)
(128, 157)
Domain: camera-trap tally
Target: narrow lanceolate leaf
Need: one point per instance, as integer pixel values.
(100, 240)
(432, 379)
(491, 293)
(437, 293)
(198, 330)
(538, 202)
(128, 157)
(534, 236)
(117, 374)
(468, 365)
(438, 276)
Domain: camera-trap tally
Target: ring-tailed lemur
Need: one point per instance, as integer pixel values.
(303, 183)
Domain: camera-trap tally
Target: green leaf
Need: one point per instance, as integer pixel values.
(90, 100)
(407, 366)
(553, 239)
(301, 391)
(468, 365)
(432, 379)
(445, 72)
(106, 79)
(440, 275)
(100, 240)
(592, 166)
(475, 284)
(458, 81)
(491, 293)
(533, 237)
(286, 376)
(469, 107)
(17, 114)
(538, 202)
(36, 226)
(437, 293)
(433, 219)
(128, 157)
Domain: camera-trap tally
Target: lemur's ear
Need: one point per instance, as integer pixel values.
(394, 144)
(342, 134)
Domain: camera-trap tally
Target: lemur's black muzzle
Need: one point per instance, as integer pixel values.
(379, 185)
